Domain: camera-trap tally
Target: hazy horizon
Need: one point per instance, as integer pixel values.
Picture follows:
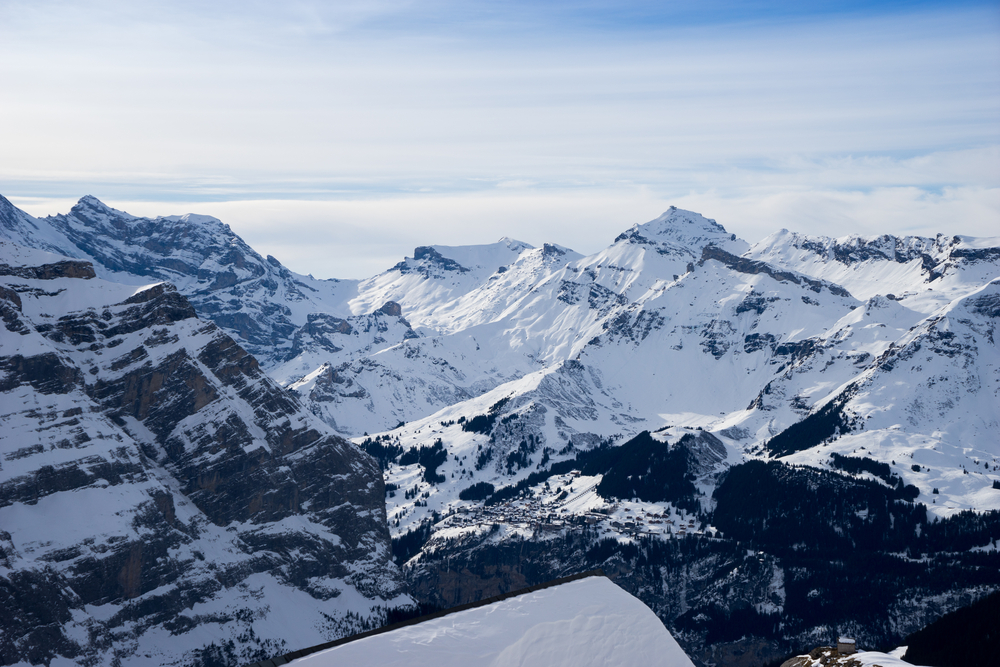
(339, 137)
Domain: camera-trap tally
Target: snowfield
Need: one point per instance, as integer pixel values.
(583, 623)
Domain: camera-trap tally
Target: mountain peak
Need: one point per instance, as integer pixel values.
(8, 212)
(683, 228)
(91, 204)
(90, 201)
(514, 244)
(199, 220)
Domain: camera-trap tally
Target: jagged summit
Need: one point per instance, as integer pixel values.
(853, 248)
(686, 229)
(92, 202)
(513, 243)
(198, 219)
(554, 249)
(434, 260)
(925, 272)
(259, 300)
(92, 210)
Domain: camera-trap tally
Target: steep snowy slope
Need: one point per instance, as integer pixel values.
(542, 310)
(428, 283)
(502, 331)
(361, 384)
(929, 403)
(158, 493)
(585, 622)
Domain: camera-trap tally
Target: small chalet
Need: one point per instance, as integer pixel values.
(846, 646)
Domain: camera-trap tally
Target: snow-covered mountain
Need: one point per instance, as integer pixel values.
(652, 334)
(606, 410)
(161, 498)
(255, 298)
(925, 272)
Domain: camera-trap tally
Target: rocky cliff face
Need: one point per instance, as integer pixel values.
(161, 499)
(256, 299)
(223, 277)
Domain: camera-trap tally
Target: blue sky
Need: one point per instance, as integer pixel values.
(337, 136)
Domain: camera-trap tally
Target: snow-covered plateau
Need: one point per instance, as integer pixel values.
(766, 443)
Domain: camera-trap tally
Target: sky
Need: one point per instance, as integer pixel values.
(337, 136)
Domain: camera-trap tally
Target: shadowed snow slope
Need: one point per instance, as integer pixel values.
(585, 622)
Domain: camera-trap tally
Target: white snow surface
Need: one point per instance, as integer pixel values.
(577, 624)
(646, 335)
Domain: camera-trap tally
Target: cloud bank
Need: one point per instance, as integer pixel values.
(337, 136)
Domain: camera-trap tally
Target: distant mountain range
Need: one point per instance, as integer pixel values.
(720, 426)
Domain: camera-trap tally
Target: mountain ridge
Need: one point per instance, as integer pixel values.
(506, 390)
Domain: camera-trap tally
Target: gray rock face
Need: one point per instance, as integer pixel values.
(753, 267)
(427, 261)
(155, 484)
(65, 269)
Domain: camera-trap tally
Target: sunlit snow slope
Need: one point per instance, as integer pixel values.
(581, 623)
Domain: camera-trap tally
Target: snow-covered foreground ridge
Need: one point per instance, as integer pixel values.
(579, 623)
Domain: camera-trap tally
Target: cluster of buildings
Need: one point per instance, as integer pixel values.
(538, 516)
